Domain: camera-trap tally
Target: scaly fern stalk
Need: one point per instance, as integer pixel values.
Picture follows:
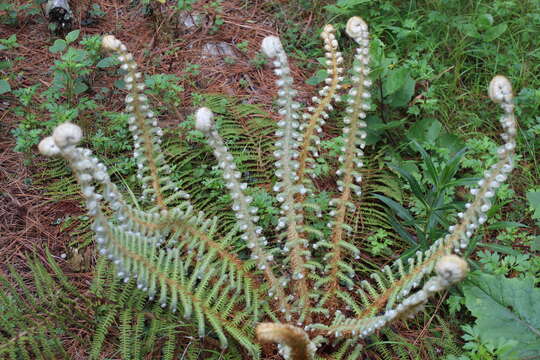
(179, 258)
(295, 249)
(245, 212)
(338, 270)
(315, 116)
(152, 169)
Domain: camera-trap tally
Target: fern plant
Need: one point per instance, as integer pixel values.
(297, 287)
(33, 319)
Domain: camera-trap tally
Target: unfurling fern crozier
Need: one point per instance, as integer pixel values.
(297, 288)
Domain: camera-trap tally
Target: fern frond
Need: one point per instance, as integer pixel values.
(30, 322)
(245, 212)
(196, 265)
(152, 168)
(295, 249)
(352, 151)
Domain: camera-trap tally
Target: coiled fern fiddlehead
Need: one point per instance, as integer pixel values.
(307, 285)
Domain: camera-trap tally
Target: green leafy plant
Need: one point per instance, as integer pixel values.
(72, 74)
(96, 12)
(432, 195)
(6, 45)
(506, 312)
(9, 43)
(300, 278)
(13, 11)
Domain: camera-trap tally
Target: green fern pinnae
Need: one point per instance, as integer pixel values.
(135, 250)
(186, 262)
(27, 329)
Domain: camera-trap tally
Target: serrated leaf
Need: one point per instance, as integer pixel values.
(534, 202)
(4, 87)
(505, 309)
(59, 45)
(72, 36)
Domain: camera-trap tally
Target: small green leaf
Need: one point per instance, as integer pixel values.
(58, 46)
(426, 130)
(403, 95)
(4, 87)
(534, 202)
(106, 62)
(80, 87)
(387, 126)
(343, 7)
(494, 32)
(470, 30)
(394, 80)
(485, 21)
(72, 36)
(120, 84)
(505, 225)
(536, 244)
(451, 142)
(318, 77)
(502, 249)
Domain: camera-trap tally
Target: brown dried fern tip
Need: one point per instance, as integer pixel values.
(299, 282)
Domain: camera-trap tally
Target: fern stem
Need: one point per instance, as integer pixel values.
(245, 212)
(316, 115)
(295, 248)
(353, 150)
(151, 167)
(295, 341)
(475, 215)
(450, 269)
(315, 119)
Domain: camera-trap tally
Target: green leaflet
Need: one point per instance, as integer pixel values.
(26, 329)
(506, 308)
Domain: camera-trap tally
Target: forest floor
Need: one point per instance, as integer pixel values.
(28, 216)
(214, 48)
